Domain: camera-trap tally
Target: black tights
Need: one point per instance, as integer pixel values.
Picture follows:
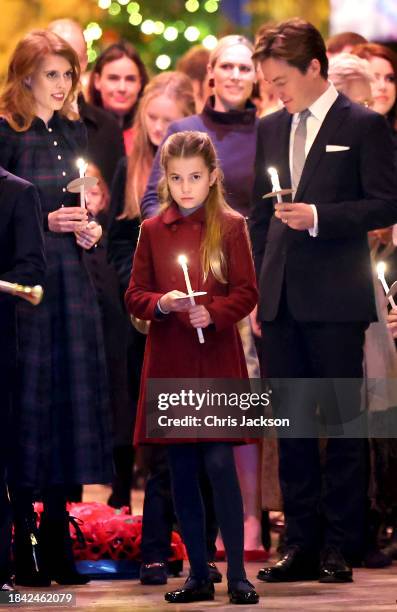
(186, 462)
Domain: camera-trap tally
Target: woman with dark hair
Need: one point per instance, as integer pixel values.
(116, 84)
(61, 418)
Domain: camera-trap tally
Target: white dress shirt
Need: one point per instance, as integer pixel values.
(318, 111)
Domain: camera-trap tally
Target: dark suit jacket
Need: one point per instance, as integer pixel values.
(105, 139)
(327, 278)
(21, 254)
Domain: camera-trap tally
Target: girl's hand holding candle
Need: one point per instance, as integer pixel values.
(89, 236)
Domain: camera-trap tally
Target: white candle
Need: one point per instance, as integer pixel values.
(82, 166)
(275, 182)
(182, 260)
(380, 268)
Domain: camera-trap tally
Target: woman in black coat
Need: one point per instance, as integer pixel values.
(62, 420)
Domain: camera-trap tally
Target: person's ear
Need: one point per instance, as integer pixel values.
(210, 73)
(28, 82)
(213, 177)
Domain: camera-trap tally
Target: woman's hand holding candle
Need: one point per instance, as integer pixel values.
(67, 219)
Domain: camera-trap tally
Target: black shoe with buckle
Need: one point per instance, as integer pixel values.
(192, 590)
(333, 567)
(215, 575)
(242, 592)
(294, 566)
(153, 573)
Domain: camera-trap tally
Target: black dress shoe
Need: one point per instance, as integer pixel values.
(215, 575)
(294, 566)
(153, 573)
(242, 592)
(192, 590)
(333, 567)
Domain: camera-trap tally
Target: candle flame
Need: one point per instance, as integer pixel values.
(272, 170)
(380, 268)
(80, 163)
(182, 260)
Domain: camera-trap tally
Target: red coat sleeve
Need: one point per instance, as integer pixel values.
(243, 294)
(140, 297)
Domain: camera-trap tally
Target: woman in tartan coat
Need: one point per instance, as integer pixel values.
(62, 420)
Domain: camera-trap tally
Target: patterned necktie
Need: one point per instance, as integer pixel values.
(298, 152)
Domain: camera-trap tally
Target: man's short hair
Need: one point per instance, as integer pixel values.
(296, 42)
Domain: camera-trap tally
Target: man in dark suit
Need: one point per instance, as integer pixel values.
(315, 283)
(21, 261)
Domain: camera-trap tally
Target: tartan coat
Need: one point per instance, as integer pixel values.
(172, 347)
(62, 420)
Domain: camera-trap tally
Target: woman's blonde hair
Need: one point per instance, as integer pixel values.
(225, 43)
(176, 86)
(198, 144)
(17, 103)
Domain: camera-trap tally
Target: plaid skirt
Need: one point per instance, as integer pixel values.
(61, 418)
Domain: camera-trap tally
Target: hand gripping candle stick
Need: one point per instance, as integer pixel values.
(182, 260)
(380, 269)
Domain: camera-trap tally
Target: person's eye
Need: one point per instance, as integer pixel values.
(131, 79)
(69, 74)
(175, 179)
(246, 69)
(51, 74)
(113, 77)
(390, 78)
(226, 66)
(196, 177)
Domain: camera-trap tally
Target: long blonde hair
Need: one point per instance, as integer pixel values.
(198, 144)
(176, 86)
(17, 103)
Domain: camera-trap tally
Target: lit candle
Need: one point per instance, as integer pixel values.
(182, 260)
(82, 166)
(275, 182)
(380, 268)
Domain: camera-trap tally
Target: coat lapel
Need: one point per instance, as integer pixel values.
(333, 119)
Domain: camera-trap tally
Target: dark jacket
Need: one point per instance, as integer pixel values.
(122, 233)
(21, 255)
(327, 278)
(105, 139)
(233, 134)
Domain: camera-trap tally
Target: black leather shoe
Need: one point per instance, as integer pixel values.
(192, 590)
(215, 575)
(242, 592)
(333, 567)
(293, 566)
(153, 573)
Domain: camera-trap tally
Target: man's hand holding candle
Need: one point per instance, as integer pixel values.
(296, 215)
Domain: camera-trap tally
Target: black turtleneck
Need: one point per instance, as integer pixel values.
(234, 136)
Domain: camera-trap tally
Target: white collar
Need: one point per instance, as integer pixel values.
(321, 106)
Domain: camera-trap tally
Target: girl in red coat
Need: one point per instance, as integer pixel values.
(195, 220)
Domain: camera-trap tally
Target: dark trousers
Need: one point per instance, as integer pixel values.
(5, 507)
(324, 503)
(187, 461)
(158, 509)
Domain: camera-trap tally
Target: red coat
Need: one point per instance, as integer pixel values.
(172, 348)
